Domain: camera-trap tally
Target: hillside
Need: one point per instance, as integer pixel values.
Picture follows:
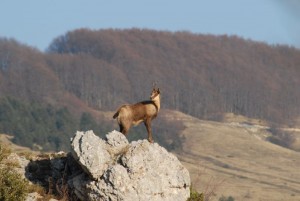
(233, 159)
(200, 75)
(87, 74)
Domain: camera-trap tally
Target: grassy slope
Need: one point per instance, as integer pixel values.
(234, 159)
(5, 140)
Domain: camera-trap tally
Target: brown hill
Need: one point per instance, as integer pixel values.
(233, 159)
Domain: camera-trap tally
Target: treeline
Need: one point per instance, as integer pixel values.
(201, 75)
(86, 72)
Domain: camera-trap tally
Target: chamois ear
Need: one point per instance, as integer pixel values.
(158, 91)
(154, 85)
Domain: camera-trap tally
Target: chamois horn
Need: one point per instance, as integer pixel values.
(154, 85)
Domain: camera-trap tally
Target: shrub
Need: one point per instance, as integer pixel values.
(195, 196)
(12, 186)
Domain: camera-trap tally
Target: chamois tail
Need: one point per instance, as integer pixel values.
(116, 114)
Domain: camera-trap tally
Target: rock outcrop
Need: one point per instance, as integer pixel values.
(114, 169)
(110, 169)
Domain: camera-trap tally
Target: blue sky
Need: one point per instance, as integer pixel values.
(38, 22)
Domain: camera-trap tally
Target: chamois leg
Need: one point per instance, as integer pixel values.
(123, 129)
(148, 127)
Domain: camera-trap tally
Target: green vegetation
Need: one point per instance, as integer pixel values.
(12, 186)
(195, 196)
(34, 125)
(41, 127)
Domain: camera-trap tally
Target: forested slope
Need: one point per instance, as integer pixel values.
(201, 75)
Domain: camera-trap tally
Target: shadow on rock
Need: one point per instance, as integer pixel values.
(53, 173)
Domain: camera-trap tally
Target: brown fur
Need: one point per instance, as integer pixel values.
(145, 111)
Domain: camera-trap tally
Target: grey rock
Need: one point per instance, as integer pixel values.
(123, 172)
(91, 153)
(116, 143)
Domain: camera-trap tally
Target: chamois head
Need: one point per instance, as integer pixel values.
(155, 92)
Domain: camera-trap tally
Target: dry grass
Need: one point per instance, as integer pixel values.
(236, 158)
(6, 140)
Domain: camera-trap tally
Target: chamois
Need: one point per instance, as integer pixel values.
(145, 111)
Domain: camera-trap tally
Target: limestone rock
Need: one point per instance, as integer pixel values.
(91, 153)
(117, 170)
